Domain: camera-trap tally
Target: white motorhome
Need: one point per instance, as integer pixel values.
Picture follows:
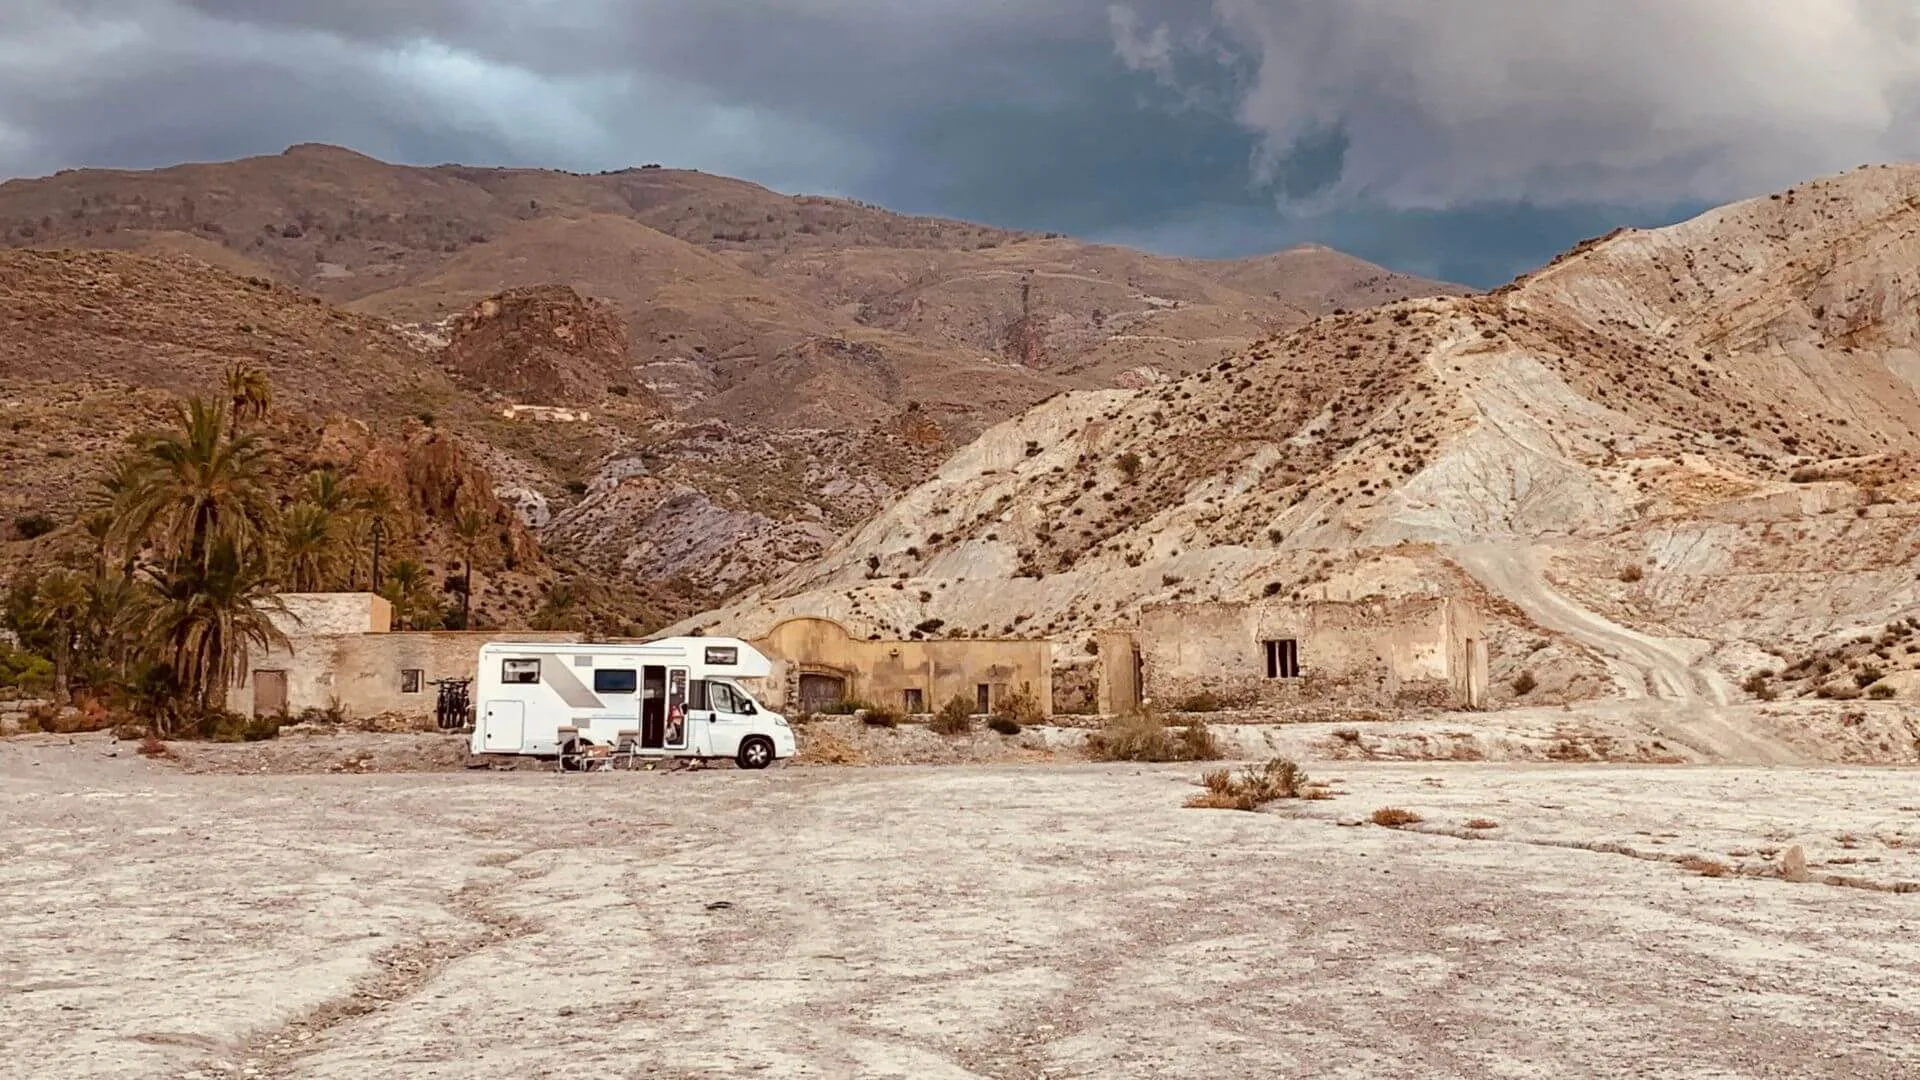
(680, 697)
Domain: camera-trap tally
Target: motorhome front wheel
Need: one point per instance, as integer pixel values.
(756, 752)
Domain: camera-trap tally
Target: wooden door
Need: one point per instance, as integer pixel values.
(269, 693)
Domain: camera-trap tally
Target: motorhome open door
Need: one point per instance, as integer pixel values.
(676, 733)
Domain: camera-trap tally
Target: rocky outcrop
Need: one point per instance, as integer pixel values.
(543, 345)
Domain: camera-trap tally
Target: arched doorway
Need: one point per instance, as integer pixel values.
(819, 690)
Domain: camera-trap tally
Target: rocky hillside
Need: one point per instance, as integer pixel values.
(1667, 463)
(722, 379)
(98, 346)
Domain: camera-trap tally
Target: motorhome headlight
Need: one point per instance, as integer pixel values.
(780, 720)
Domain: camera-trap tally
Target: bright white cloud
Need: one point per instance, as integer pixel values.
(1568, 101)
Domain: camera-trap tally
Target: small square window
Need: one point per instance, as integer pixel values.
(916, 702)
(411, 680)
(519, 671)
(1283, 659)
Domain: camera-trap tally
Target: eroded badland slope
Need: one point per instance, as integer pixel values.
(1669, 460)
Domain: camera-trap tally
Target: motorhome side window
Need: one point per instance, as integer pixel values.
(615, 680)
(519, 671)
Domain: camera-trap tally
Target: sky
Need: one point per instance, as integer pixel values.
(1464, 139)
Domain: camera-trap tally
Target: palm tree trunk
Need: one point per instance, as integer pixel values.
(62, 665)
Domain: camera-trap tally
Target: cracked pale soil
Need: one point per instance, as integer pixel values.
(1003, 921)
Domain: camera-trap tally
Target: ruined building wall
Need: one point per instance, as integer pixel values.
(363, 674)
(883, 672)
(1407, 652)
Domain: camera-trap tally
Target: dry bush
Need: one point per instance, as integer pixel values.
(1005, 725)
(1882, 692)
(1631, 574)
(1481, 824)
(1524, 684)
(1705, 867)
(1392, 817)
(881, 717)
(1023, 709)
(954, 718)
(1254, 787)
(1144, 736)
(1198, 744)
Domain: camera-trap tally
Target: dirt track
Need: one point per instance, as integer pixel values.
(958, 922)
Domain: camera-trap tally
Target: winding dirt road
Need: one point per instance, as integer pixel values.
(1685, 702)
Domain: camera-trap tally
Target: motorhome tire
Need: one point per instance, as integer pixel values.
(571, 755)
(755, 753)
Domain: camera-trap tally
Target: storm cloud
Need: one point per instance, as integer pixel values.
(1469, 139)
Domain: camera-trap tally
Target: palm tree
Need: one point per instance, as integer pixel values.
(249, 397)
(407, 589)
(309, 550)
(325, 491)
(62, 608)
(115, 609)
(472, 528)
(190, 488)
(211, 615)
(365, 506)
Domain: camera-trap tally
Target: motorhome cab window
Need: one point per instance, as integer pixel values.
(519, 671)
(724, 698)
(615, 680)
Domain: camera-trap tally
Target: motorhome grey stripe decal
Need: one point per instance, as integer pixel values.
(571, 689)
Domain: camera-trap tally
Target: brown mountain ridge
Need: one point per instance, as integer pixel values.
(754, 373)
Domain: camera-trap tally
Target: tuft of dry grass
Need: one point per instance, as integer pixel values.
(1392, 817)
(152, 747)
(1253, 787)
(1481, 824)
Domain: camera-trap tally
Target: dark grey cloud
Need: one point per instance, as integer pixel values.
(1469, 139)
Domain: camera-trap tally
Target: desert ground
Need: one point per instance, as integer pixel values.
(1031, 920)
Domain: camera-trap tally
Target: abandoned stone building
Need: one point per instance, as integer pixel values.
(342, 653)
(1411, 651)
(817, 662)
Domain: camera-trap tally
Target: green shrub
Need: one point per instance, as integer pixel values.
(1882, 692)
(22, 670)
(954, 718)
(880, 717)
(1005, 725)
